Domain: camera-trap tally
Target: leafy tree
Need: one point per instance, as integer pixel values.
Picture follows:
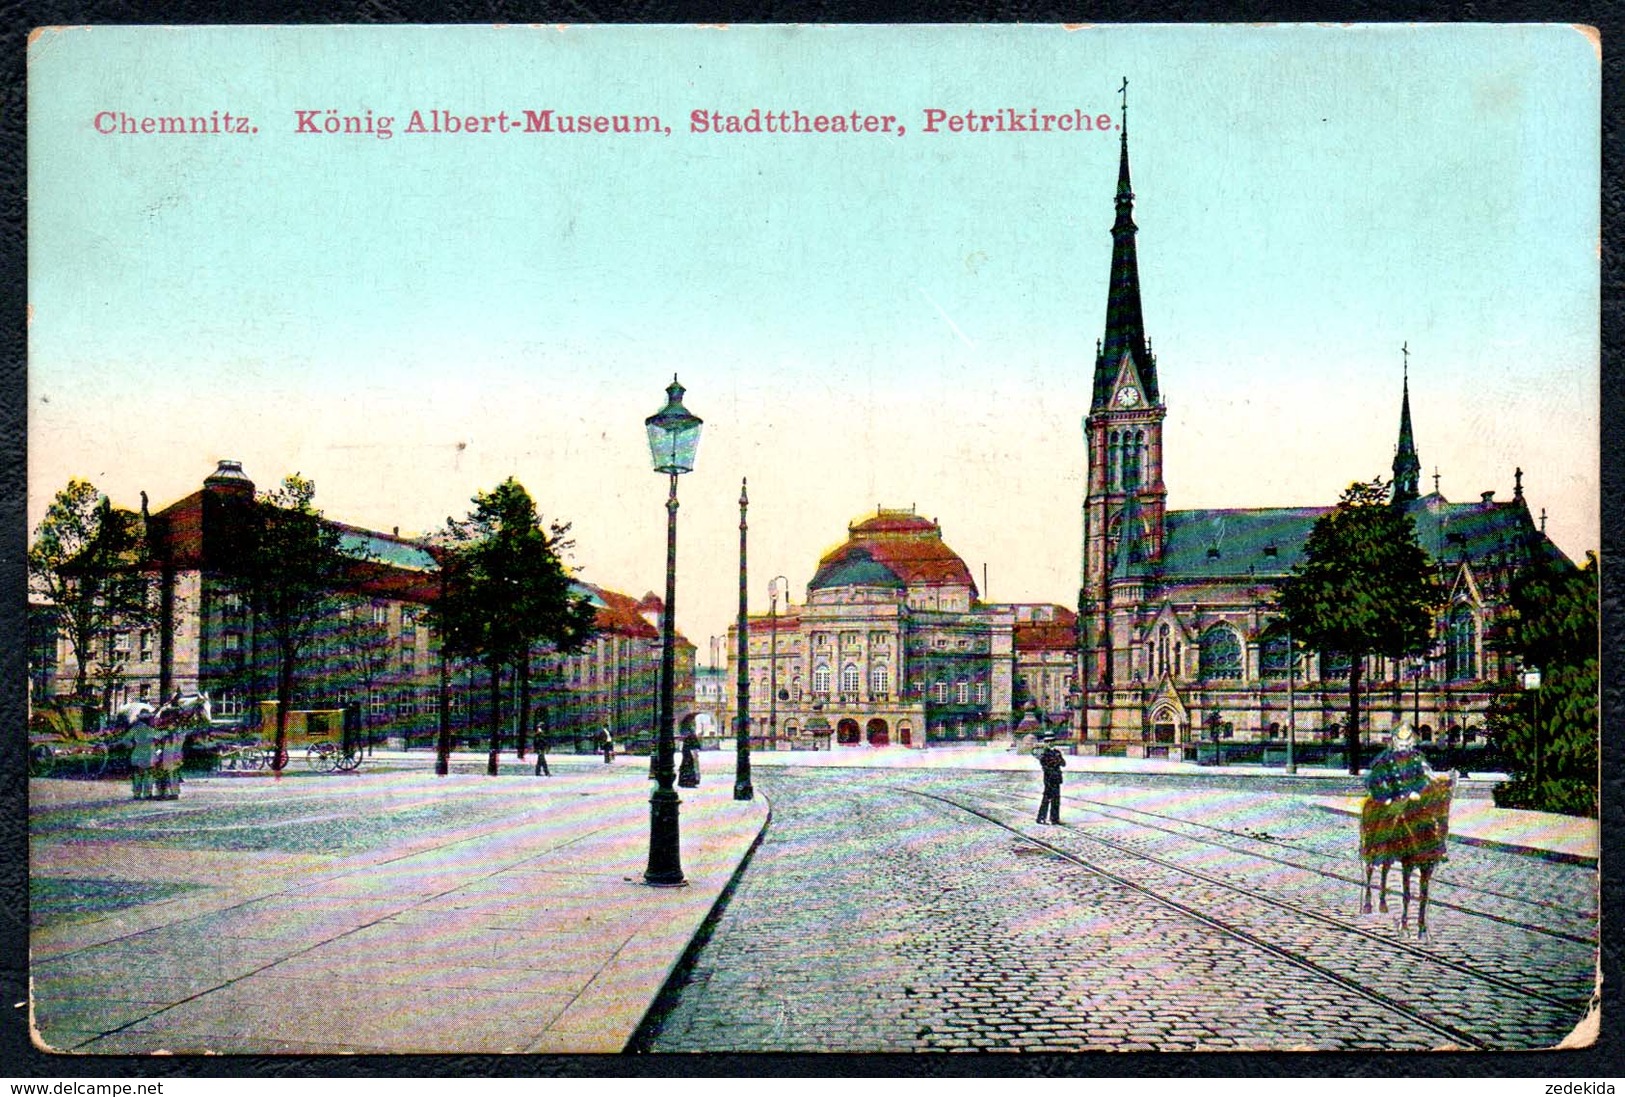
(290, 565)
(84, 564)
(505, 590)
(1549, 735)
(1364, 587)
(362, 649)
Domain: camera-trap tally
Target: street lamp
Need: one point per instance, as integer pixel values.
(674, 437)
(743, 790)
(773, 588)
(1531, 685)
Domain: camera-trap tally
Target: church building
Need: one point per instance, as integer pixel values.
(1174, 644)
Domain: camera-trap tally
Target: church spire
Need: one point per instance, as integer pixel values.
(1407, 468)
(1125, 328)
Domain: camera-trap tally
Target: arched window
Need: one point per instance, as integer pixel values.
(851, 680)
(1162, 651)
(1461, 645)
(1112, 466)
(879, 679)
(795, 688)
(821, 678)
(1221, 653)
(1273, 656)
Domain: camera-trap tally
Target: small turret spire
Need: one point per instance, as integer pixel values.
(1407, 469)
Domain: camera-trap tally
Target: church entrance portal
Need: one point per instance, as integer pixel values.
(1165, 733)
(878, 735)
(846, 733)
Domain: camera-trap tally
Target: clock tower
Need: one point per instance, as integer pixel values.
(1124, 496)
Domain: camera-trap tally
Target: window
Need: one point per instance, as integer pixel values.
(1335, 665)
(962, 692)
(121, 643)
(795, 689)
(409, 623)
(380, 613)
(981, 693)
(1273, 657)
(408, 662)
(1461, 645)
(877, 639)
(146, 645)
(378, 705)
(851, 680)
(821, 678)
(879, 679)
(232, 642)
(231, 603)
(145, 692)
(939, 693)
(1221, 653)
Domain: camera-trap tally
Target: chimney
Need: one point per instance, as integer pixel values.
(1488, 497)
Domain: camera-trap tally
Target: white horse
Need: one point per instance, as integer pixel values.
(185, 710)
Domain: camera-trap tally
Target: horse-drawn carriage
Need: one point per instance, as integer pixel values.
(327, 739)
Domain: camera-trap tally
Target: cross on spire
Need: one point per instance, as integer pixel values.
(1435, 479)
(1124, 92)
(1543, 519)
(1405, 349)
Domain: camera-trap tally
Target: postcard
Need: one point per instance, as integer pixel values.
(665, 539)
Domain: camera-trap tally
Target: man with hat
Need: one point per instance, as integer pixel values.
(1051, 762)
(1400, 771)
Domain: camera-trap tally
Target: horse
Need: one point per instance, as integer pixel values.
(184, 710)
(1413, 832)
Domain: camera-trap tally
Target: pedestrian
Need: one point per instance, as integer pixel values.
(1051, 762)
(541, 750)
(606, 744)
(143, 746)
(688, 773)
(170, 747)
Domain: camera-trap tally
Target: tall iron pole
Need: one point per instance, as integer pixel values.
(665, 862)
(742, 786)
(1291, 705)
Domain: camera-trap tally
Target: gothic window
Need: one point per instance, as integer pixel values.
(821, 678)
(1221, 653)
(1335, 665)
(879, 680)
(1461, 645)
(1273, 657)
(1112, 467)
(1162, 650)
(851, 681)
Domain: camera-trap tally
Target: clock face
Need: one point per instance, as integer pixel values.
(1128, 396)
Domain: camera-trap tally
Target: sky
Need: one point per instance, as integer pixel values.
(898, 319)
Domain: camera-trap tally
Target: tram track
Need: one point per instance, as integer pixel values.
(1574, 1006)
(1111, 812)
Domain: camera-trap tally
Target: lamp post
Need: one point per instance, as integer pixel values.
(1531, 686)
(674, 436)
(742, 786)
(1291, 706)
(773, 588)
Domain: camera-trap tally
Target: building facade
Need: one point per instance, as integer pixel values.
(892, 647)
(371, 644)
(1175, 644)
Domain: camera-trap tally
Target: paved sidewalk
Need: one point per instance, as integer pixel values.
(535, 934)
(1481, 823)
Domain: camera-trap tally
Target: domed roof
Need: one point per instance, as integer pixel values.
(856, 569)
(899, 543)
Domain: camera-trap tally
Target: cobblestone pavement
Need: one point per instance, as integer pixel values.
(881, 915)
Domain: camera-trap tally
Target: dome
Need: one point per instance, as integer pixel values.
(893, 548)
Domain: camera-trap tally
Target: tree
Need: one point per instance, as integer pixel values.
(1364, 587)
(1549, 735)
(289, 567)
(85, 565)
(505, 590)
(362, 651)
